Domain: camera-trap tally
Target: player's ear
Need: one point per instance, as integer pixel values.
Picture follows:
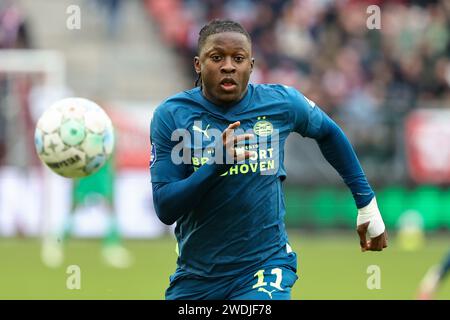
(197, 64)
(252, 64)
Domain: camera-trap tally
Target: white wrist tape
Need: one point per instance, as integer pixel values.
(372, 214)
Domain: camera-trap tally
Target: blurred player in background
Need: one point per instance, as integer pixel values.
(433, 279)
(232, 242)
(91, 191)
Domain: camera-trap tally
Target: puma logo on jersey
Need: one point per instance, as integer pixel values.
(195, 128)
(268, 292)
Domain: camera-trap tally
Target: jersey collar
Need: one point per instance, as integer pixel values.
(233, 109)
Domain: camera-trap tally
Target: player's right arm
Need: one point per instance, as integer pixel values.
(175, 192)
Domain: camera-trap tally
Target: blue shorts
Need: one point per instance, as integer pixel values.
(272, 280)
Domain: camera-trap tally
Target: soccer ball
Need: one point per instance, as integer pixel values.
(74, 137)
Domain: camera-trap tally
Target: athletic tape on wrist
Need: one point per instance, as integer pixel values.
(372, 214)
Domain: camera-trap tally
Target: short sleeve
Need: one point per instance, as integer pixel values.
(307, 116)
(162, 168)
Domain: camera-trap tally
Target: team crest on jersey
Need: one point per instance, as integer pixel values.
(263, 128)
(152, 154)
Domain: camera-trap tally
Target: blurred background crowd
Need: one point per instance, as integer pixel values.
(325, 49)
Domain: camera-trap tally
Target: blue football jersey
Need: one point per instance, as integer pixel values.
(240, 220)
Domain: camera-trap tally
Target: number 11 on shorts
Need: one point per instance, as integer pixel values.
(261, 283)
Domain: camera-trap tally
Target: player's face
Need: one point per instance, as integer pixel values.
(225, 64)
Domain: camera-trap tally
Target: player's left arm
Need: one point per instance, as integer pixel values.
(338, 151)
(311, 121)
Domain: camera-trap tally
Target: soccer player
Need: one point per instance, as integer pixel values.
(433, 279)
(224, 191)
(94, 190)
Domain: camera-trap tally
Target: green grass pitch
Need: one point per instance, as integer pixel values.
(331, 266)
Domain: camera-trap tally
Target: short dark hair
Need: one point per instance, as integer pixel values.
(218, 26)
